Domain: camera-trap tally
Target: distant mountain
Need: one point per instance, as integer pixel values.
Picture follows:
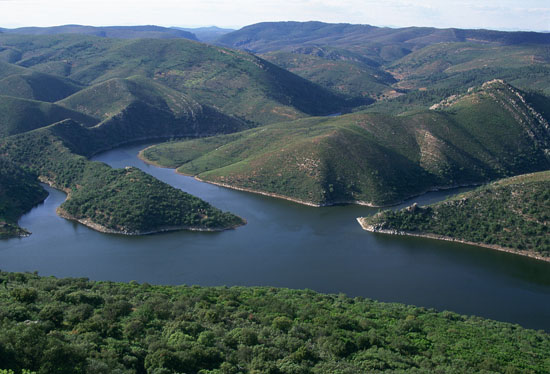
(206, 34)
(381, 43)
(121, 32)
(492, 132)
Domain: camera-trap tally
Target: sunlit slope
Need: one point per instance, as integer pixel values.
(20, 115)
(337, 70)
(234, 82)
(512, 213)
(448, 65)
(375, 158)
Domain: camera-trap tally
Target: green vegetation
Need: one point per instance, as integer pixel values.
(234, 82)
(511, 213)
(37, 86)
(126, 200)
(339, 71)
(20, 115)
(19, 192)
(50, 325)
(375, 158)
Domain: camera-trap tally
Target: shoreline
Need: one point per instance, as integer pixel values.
(299, 201)
(373, 229)
(100, 228)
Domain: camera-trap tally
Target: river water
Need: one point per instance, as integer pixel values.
(286, 244)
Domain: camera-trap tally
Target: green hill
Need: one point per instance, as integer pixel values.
(339, 71)
(20, 115)
(462, 65)
(126, 201)
(78, 326)
(375, 158)
(512, 213)
(234, 82)
(37, 86)
(19, 192)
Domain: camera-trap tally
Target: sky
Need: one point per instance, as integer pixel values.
(490, 14)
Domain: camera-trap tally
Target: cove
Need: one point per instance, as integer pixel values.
(286, 244)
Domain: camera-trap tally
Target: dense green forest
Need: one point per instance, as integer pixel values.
(376, 158)
(512, 213)
(50, 325)
(19, 192)
(125, 200)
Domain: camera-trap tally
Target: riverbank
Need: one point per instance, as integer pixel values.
(376, 229)
(97, 227)
(141, 156)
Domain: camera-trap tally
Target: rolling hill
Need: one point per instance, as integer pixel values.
(339, 71)
(511, 214)
(21, 115)
(38, 86)
(377, 159)
(234, 82)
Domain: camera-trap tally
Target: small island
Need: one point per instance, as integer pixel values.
(509, 215)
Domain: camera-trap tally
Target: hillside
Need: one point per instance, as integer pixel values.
(77, 326)
(510, 214)
(119, 32)
(19, 192)
(37, 86)
(375, 159)
(453, 65)
(20, 115)
(126, 201)
(339, 71)
(423, 64)
(233, 82)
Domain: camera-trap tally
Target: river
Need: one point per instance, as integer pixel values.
(286, 244)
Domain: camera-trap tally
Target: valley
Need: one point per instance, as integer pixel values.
(220, 175)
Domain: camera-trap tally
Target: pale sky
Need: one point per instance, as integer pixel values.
(490, 14)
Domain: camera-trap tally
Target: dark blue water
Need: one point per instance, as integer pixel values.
(288, 245)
